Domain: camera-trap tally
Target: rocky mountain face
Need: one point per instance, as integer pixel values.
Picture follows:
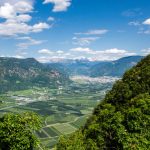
(18, 74)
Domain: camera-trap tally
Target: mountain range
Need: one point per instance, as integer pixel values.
(16, 74)
(97, 68)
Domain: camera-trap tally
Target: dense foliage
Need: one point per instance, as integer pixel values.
(16, 131)
(122, 119)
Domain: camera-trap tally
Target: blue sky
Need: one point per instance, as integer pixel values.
(57, 29)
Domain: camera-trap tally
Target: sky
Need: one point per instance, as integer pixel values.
(74, 29)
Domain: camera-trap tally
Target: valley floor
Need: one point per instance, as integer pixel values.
(63, 110)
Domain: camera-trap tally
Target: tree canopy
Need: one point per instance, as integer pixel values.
(16, 131)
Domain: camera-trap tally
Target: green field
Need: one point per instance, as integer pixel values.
(65, 128)
(63, 110)
(50, 131)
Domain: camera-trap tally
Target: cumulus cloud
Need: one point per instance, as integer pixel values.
(147, 21)
(23, 18)
(16, 17)
(59, 5)
(12, 28)
(7, 11)
(45, 52)
(81, 49)
(39, 27)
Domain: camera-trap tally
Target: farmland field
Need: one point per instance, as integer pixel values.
(63, 110)
(65, 128)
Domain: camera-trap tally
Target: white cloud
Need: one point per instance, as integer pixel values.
(146, 51)
(18, 56)
(15, 1)
(93, 32)
(23, 18)
(84, 40)
(60, 52)
(45, 59)
(12, 28)
(16, 15)
(7, 11)
(115, 51)
(108, 54)
(84, 53)
(39, 27)
(45, 51)
(30, 42)
(147, 22)
(89, 36)
(23, 6)
(145, 27)
(50, 18)
(14, 56)
(59, 5)
(81, 49)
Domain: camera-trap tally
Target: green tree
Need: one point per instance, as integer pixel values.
(16, 131)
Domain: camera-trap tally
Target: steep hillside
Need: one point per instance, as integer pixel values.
(16, 74)
(122, 119)
(114, 68)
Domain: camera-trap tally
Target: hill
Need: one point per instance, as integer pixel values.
(122, 119)
(114, 68)
(17, 74)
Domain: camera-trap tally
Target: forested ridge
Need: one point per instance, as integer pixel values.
(122, 119)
